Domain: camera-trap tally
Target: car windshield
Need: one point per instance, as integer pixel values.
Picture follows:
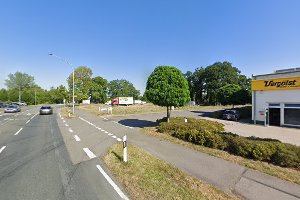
(46, 107)
(229, 112)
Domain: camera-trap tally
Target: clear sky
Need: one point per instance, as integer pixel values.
(129, 38)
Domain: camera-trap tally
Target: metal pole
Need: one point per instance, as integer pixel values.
(35, 96)
(73, 90)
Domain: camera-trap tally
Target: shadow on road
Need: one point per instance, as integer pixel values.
(138, 123)
(203, 113)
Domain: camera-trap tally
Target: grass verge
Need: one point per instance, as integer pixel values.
(66, 112)
(146, 177)
(287, 174)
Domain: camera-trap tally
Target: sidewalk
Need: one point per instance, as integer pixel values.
(222, 174)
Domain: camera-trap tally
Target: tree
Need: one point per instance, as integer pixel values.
(166, 86)
(233, 94)
(196, 84)
(99, 90)
(19, 81)
(83, 82)
(122, 88)
(57, 95)
(3, 95)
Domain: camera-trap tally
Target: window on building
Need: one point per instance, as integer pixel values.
(292, 116)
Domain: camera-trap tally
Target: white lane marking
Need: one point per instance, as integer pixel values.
(70, 130)
(89, 153)
(117, 189)
(1, 115)
(27, 121)
(99, 128)
(64, 121)
(18, 131)
(66, 124)
(62, 118)
(2, 148)
(110, 134)
(102, 130)
(119, 139)
(131, 127)
(76, 138)
(114, 136)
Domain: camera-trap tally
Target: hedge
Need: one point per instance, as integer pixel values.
(211, 134)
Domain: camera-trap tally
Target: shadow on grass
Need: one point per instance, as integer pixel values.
(138, 123)
(118, 156)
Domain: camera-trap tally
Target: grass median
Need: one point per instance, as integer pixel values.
(287, 174)
(146, 177)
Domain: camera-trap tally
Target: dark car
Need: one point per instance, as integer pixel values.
(46, 110)
(12, 109)
(231, 115)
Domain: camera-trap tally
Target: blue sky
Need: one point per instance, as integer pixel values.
(128, 39)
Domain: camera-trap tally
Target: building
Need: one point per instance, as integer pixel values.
(276, 98)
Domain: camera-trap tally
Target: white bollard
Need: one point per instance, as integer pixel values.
(99, 109)
(185, 120)
(69, 115)
(125, 148)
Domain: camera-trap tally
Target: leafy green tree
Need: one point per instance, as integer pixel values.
(196, 84)
(99, 90)
(233, 94)
(58, 95)
(19, 81)
(83, 82)
(3, 95)
(166, 86)
(122, 88)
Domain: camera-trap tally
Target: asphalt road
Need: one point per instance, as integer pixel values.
(41, 159)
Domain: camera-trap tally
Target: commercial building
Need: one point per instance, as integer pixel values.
(276, 98)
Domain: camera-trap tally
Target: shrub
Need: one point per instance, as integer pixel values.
(210, 134)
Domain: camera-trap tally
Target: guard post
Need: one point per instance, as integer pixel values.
(125, 148)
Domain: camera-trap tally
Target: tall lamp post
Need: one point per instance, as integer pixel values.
(64, 60)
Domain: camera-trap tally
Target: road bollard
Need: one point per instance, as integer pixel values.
(69, 115)
(125, 148)
(185, 120)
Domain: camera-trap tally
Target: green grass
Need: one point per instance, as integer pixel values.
(146, 177)
(287, 174)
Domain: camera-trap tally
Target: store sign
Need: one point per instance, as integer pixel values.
(277, 84)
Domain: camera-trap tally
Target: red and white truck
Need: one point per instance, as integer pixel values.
(122, 101)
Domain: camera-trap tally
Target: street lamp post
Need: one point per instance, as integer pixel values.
(64, 60)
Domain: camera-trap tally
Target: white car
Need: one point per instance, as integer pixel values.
(12, 109)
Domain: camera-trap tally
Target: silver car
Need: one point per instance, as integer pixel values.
(46, 110)
(12, 109)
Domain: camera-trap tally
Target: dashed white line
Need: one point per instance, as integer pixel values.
(99, 128)
(66, 124)
(105, 132)
(89, 153)
(70, 130)
(62, 118)
(110, 134)
(64, 121)
(76, 138)
(27, 121)
(18, 131)
(117, 189)
(102, 130)
(119, 139)
(114, 136)
(2, 148)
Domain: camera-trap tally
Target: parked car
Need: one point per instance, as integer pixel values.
(12, 109)
(1, 105)
(231, 115)
(46, 110)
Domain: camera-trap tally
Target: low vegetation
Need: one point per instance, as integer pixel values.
(287, 174)
(123, 110)
(210, 134)
(157, 180)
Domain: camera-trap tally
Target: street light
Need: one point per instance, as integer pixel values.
(64, 60)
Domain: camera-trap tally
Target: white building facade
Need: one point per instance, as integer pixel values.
(276, 98)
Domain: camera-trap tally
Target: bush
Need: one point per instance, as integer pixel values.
(210, 134)
(200, 125)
